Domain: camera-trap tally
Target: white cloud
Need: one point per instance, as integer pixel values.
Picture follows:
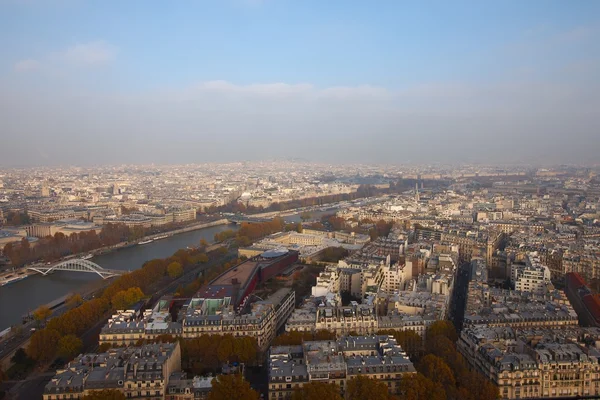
(26, 65)
(90, 54)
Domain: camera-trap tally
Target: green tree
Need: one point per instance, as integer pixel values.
(106, 394)
(42, 314)
(231, 387)
(317, 391)
(361, 387)
(175, 269)
(42, 345)
(69, 346)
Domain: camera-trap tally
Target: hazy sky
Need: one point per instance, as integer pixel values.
(102, 82)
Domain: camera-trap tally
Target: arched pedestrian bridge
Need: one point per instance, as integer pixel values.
(78, 265)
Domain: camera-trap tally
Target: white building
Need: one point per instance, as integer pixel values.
(532, 277)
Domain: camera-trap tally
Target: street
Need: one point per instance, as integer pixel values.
(459, 296)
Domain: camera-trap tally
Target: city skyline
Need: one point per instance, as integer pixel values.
(100, 84)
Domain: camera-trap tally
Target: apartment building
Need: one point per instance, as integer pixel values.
(377, 357)
(180, 387)
(533, 277)
(138, 372)
(204, 316)
(535, 363)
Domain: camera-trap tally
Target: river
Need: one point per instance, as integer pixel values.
(25, 296)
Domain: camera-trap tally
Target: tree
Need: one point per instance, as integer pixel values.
(42, 314)
(42, 346)
(231, 387)
(104, 347)
(20, 356)
(361, 387)
(437, 370)
(418, 387)
(124, 298)
(225, 349)
(305, 216)
(437, 329)
(73, 301)
(106, 394)
(317, 391)
(175, 269)
(69, 346)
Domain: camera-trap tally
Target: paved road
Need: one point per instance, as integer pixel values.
(30, 389)
(459, 296)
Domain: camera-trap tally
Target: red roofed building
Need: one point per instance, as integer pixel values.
(585, 303)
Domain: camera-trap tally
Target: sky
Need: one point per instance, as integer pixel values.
(340, 81)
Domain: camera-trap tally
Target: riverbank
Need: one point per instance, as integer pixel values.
(118, 246)
(23, 297)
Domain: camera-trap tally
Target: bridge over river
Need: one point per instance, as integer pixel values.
(77, 265)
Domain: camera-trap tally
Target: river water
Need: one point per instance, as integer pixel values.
(25, 296)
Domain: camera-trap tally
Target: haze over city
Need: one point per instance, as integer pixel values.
(91, 83)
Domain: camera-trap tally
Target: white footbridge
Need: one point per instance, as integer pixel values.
(78, 265)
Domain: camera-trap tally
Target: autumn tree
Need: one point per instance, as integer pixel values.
(437, 370)
(231, 387)
(419, 387)
(106, 394)
(69, 346)
(317, 391)
(124, 298)
(362, 387)
(104, 347)
(305, 216)
(175, 269)
(296, 338)
(42, 345)
(73, 301)
(440, 329)
(42, 314)
(210, 351)
(202, 258)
